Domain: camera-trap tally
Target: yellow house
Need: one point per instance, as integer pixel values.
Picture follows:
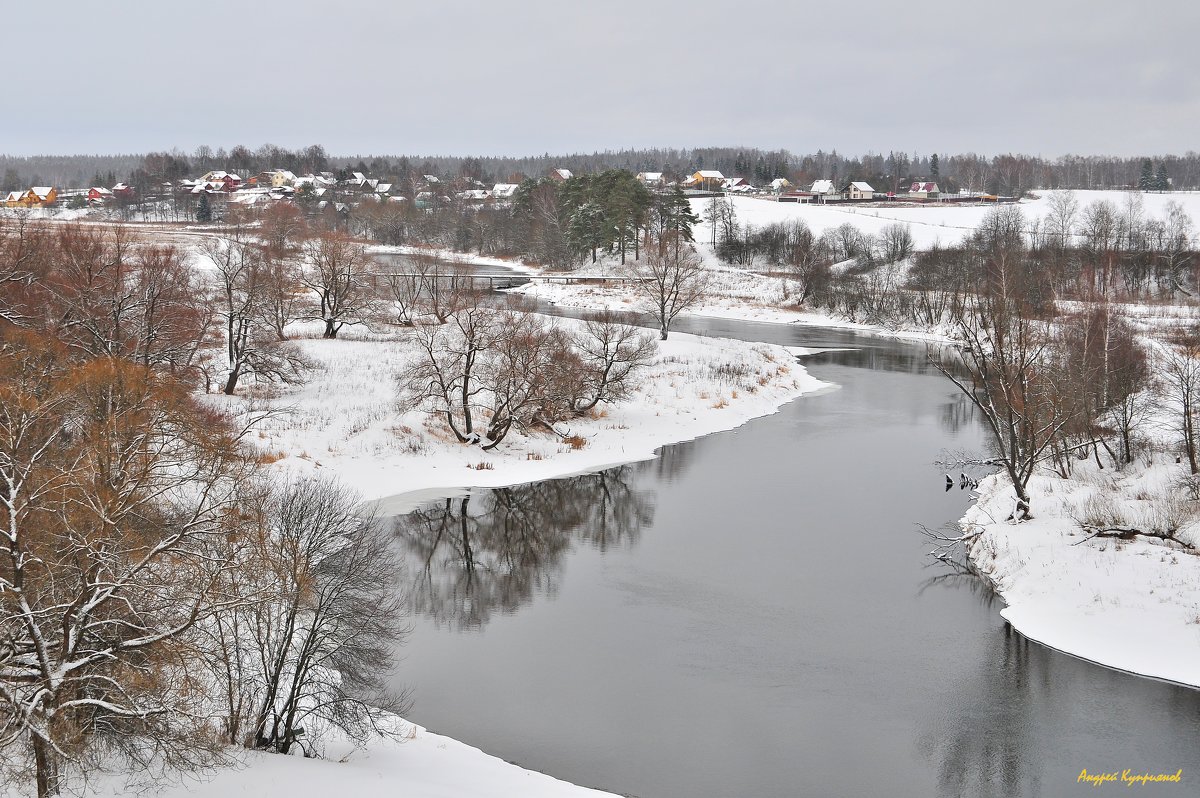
(36, 197)
(709, 179)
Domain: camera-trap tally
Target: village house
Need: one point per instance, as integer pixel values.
(230, 180)
(923, 191)
(706, 179)
(822, 188)
(780, 185)
(36, 197)
(273, 178)
(99, 195)
(650, 179)
(504, 190)
(560, 175)
(858, 190)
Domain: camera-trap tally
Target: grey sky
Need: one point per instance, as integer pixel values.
(499, 77)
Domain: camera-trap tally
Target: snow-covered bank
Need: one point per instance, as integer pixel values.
(451, 256)
(1131, 605)
(423, 765)
(736, 295)
(345, 419)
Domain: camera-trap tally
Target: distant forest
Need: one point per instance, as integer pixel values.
(1000, 174)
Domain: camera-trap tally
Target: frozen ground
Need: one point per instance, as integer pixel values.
(345, 420)
(1132, 605)
(422, 765)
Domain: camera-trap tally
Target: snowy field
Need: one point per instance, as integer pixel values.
(345, 419)
(930, 224)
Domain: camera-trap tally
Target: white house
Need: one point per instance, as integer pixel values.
(823, 187)
(504, 190)
(859, 191)
(650, 179)
(923, 191)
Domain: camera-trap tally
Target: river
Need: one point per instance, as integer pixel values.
(755, 614)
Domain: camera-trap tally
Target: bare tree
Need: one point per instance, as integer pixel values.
(1010, 374)
(610, 355)
(23, 249)
(1179, 370)
(1060, 220)
(341, 274)
(116, 496)
(895, 242)
(445, 376)
(326, 638)
(243, 285)
(517, 372)
(672, 279)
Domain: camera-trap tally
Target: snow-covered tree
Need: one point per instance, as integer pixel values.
(1146, 181)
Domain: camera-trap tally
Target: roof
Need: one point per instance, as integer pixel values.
(431, 179)
(504, 189)
(565, 174)
(711, 174)
(861, 186)
(42, 191)
(923, 188)
(780, 182)
(822, 187)
(650, 176)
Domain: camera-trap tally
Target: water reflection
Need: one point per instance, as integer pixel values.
(778, 601)
(493, 551)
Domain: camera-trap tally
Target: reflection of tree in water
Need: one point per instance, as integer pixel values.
(957, 413)
(494, 550)
(992, 737)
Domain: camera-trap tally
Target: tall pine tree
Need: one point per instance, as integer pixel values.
(1146, 181)
(203, 210)
(933, 167)
(1161, 181)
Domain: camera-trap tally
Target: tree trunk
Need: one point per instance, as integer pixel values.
(46, 764)
(330, 330)
(662, 332)
(231, 383)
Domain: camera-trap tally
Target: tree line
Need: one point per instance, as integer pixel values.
(1005, 173)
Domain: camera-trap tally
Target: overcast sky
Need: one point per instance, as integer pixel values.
(495, 77)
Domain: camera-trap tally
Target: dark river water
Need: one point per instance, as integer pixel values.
(755, 614)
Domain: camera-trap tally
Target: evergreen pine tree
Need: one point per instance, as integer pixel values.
(1161, 181)
(933, 167)
(1146, 181)
(203, 210)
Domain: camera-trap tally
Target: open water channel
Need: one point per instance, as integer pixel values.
(754, 614)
